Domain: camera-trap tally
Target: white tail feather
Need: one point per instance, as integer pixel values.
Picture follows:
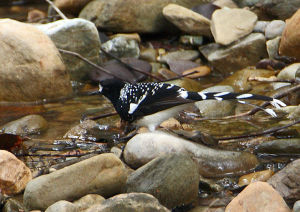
(277, 103)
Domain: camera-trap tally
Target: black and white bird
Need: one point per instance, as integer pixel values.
(149, 104)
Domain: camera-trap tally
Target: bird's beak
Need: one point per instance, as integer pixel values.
(94, 93)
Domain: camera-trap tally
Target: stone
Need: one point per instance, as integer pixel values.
(254, 177)
(225, 3)
(198, 72)
(14, 174)
(88, 201)
(274, 29)
(260, 26)
(132, 15)
(272, 47)
(186, 20)
(128, 36)
(12, 205)
(132, 202)
(179, 55)
(194, 40)
(290, 40)
(103, 174)
(148, 54)
(62, 206)
(28, 125)
(122, 47)
(75, 35)
(179, 66)
(246, 52)
(296, 207)
(228, 25)
(280, 146)
(88, 130)
(71, 6)
(31, 61)
(239, 80)
(289, 72)
(258, 196)
(286, 181)
(159, 177)
(144, 147)
(215, 108)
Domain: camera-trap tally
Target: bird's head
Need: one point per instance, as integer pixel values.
(110, 88)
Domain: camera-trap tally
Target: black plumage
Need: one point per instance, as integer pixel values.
(134, 102)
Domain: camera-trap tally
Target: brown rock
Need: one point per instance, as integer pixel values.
(31, 66)
(286, 181)
(290, 40)
(71, 6)
(228, 25)
(187, 20)
(141, 16)
(258, 197)
(254, 177)
(14, 174)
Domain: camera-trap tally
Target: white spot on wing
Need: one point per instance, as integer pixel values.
(221, 94)
(100, 88)
(277, 103)
(170, 86)
(244, 96)
(132, 108)
(183, 94)
(219, 98)
(203, 96)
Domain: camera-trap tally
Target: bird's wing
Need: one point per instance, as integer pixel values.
(160, 100)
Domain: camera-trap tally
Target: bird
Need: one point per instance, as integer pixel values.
(150, 103)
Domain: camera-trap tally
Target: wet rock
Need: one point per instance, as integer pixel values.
(12, 205)
(255, 176)
(175, 174)
(246, 52)
(179, 55)
(191, 40)
(14, 174)
(272, 47)
(132, 202)
(228, 25)
(122, 47)
(179, 66)
(289, 72)
(31, 124)
(239, 80)
(215, 108)
(62, 206)
(187, 20)
(76, 35)
(286, 181)
(260, 26)
(296, 207)
(70, 6)
(141, 17)
(274, 29)
(89, 130)
(35, 16)
(88, 201)
(280, 9)
(31, 65)
(142, 148)
(103, 174)
(258, 196)
(290, 40)
(270, 64)
(280, 146)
